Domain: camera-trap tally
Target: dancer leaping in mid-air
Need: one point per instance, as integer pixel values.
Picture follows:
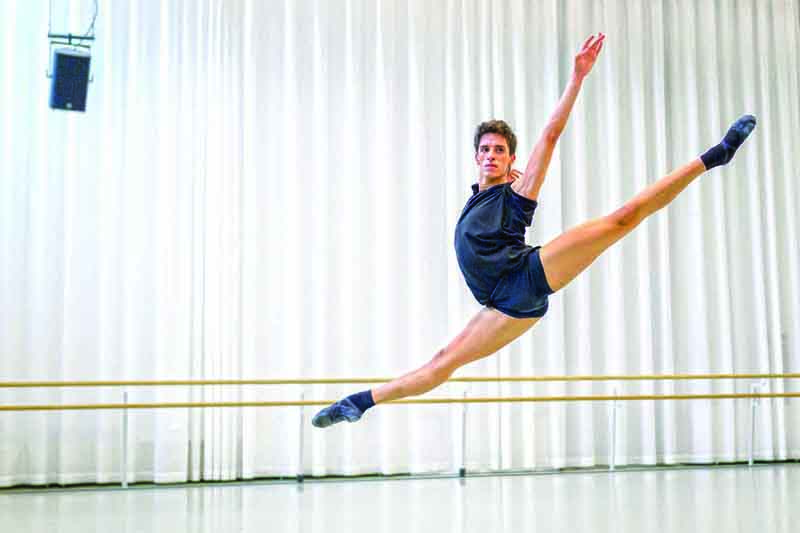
(511, 279)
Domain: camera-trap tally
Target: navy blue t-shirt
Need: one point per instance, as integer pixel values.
(490, 237)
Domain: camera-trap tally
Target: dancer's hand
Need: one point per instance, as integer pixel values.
(514, 174)
(584, 60)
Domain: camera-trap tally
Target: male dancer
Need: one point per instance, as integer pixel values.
(511, 279)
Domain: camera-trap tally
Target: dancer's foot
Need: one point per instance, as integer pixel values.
(722, 153)
(349, 409)
(337, 412)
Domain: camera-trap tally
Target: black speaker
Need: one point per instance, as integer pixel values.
(70, 79)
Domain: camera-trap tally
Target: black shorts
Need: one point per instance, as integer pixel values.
(523, 292)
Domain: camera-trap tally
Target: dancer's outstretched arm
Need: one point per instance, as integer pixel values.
(532, 180)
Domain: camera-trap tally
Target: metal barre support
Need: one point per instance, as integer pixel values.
(612, 460)
(754, 388)
(462, 472)
(300, 475)
(124, 459)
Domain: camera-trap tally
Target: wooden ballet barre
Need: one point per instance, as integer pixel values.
(339, 381)
(510, 399)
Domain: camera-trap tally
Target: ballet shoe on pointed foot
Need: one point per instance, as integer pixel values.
(341, 411)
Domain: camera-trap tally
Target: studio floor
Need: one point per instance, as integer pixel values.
(763, 499)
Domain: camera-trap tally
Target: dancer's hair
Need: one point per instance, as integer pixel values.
(499, 127)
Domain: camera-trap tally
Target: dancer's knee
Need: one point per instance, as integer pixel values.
(629, 214)
(441, 367)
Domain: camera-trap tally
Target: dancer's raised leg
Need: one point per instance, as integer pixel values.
(570, 253)
(573, 251)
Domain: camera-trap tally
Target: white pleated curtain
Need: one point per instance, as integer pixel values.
(269, 190)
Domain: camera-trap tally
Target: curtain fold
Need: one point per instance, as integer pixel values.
(270, 190)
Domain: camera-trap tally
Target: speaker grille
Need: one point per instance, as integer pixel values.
(70, 79)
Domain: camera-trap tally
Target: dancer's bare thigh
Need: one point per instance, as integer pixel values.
(487, 332)
(573, 251)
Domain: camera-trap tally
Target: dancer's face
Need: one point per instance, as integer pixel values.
(493, 158)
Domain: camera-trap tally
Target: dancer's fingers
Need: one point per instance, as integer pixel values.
(597, 45)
